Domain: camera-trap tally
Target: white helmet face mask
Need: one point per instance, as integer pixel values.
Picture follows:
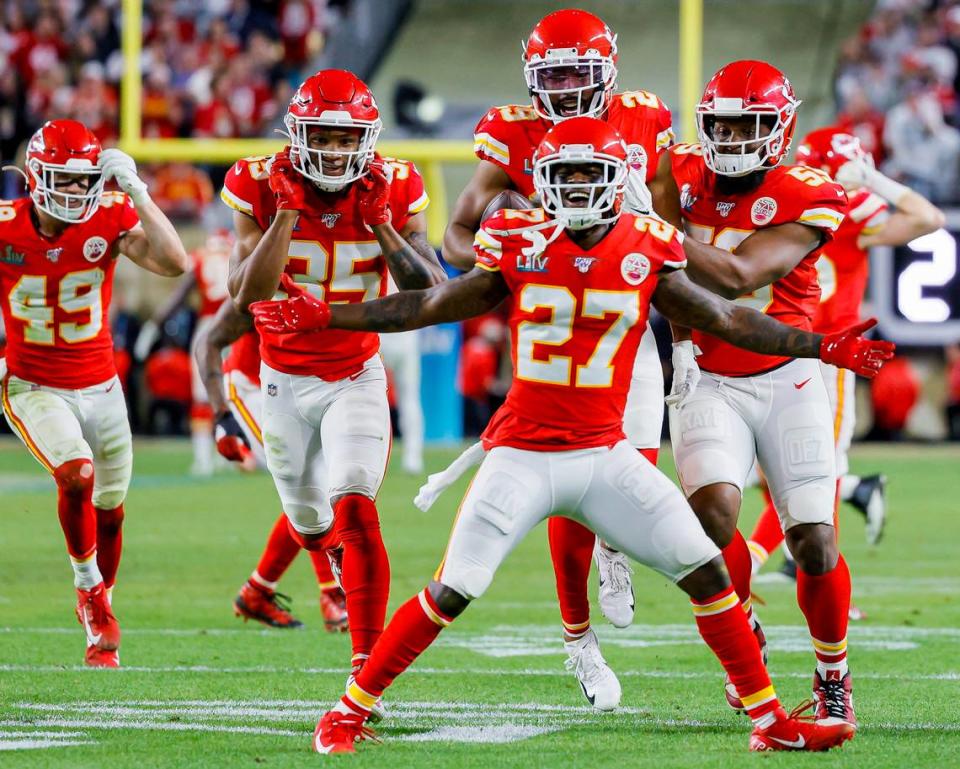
(599, 72)
(598, 198)
(70, 207)
(739, 158)
(309, 162)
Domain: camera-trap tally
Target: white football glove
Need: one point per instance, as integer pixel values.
(118, 165)
(686, 372)
(636, 197)
(860, 172)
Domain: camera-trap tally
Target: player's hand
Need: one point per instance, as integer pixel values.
(686, 372)
(849, 349)
(120, 167)
(636, 195)
(855, 173)
(374, 196)
(301, 311)
(231, 441)
(286, 182)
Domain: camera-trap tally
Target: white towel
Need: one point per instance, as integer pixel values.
(438, 482)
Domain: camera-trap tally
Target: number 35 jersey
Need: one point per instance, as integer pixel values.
(576, 321)
(786, 194)
(54, 293)
(333, 254)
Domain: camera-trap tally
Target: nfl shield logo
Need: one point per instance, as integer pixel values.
(272, 390)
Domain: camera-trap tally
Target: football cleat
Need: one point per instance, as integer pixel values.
(869, 497)
(96, 616)
(339, 732)
(616, 588)
(833, 699)
(333, 608)
(855, 613)
(379, 711)
(796, 732)
(102, 658)
(264, 605)
(729, 690)
(598, 682)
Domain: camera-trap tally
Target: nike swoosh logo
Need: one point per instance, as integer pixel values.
(93, 639)
(798, 743)
(110, 387)
(590, 697)
(800, 386)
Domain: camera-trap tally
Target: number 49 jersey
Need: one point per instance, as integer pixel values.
(333, 254)
(786, 194)
(54, 293)
(576, 321)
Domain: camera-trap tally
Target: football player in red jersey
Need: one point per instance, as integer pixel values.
(755, 228)
(334, 218)
(842, 268)
(233, 391)
(210, 266)
(61, 393)
(570, 68)
(583, 275)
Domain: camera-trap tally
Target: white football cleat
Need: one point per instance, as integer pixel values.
(598, 682)
(616, 587)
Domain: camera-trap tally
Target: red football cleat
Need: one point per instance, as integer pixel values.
(96, 616)
(101, 658)
(266, 606)
(796, 732)
(833, 698)
(729, 690)
(339, 732)
(333, 607)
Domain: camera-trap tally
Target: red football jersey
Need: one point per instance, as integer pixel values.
(507, 136)
(334, 255)
(786, 194)
(244, 356)
(211, 267)
(843, 265)
(575, 325)
(54, 293)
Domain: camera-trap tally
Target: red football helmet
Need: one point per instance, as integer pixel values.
(745, 89)
(583, 140)
(829, 148)
(569, 55)
(333, 98)
(59, 153)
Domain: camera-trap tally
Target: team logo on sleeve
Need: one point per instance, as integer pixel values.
(94, 248)
(635, 268)
(763, 211)
(637, 157)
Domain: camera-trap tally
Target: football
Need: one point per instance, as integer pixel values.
(505, 199)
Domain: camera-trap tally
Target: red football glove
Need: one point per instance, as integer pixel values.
(301, 311)
(375, 195)
(848, 349)
(286, 183)
(232, 443)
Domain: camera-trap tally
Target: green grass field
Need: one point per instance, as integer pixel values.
(200, 688)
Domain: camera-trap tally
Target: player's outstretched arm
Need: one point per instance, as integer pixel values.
(155, 245)
(487, 181)
(466, 296)
(681, 300)
(229, 324)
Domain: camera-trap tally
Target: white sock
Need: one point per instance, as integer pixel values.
(256, 578)
(838, 669)
(203, 447)
(765, 721)
(86, 573)
(848, 485)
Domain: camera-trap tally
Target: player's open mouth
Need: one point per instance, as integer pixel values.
(577, 198)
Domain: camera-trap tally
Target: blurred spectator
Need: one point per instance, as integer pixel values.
(94, 103)
(298, 22)
(182, 190)
(167, 375)
(953, 392)
(894, 392)
(860, 119)
(479, 369)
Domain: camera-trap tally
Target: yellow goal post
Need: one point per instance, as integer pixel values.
(428, 154)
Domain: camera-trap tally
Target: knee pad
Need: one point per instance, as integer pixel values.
(468, 580)
(75, 477)
(307, 520)
(109, 499)
(810, 503)
(356, 478)
(109, 518)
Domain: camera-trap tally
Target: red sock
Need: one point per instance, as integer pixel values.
(737, 557)
(75, 507)
(651, 455)
(321, 567)
(366, 569)
(825, 602)
(411, 630)
(725, 628)
(767, 534)
(571, 548)
(109, 542)
(279, 553)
